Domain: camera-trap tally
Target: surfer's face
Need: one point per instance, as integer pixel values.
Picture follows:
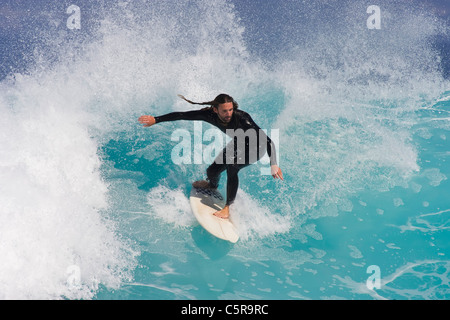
(224, 111)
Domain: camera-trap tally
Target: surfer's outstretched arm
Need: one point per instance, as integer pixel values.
(203, 114)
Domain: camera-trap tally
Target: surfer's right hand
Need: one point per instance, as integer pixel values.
(147, 121)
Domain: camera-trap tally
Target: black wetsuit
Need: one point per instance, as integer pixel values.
(240, 152)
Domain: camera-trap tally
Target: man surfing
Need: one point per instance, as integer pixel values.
(239, 153)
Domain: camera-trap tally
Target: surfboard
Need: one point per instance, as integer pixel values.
(204, 202)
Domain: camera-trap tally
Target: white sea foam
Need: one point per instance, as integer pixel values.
(416, 288)
(251, 219)
(56, 238)
(352, 99)
(172, 206)
(52, 196)
(255, 220)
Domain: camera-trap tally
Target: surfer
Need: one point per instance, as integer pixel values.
(239, 153)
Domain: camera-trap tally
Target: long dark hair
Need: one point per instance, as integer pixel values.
(220, 99)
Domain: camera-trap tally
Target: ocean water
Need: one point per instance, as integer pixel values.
(92, 205)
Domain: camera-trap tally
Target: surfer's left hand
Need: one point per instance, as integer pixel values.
(276, 172)
(147, 121)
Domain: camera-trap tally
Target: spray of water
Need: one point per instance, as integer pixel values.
(343, 97)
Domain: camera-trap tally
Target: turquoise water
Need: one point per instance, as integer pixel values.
(400, 227)
(94, 207)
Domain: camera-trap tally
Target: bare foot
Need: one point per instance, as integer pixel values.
(202, 184)
(224, 213)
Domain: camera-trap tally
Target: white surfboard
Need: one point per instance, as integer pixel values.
(204, 202)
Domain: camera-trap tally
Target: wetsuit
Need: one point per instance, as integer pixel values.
(249, 143)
